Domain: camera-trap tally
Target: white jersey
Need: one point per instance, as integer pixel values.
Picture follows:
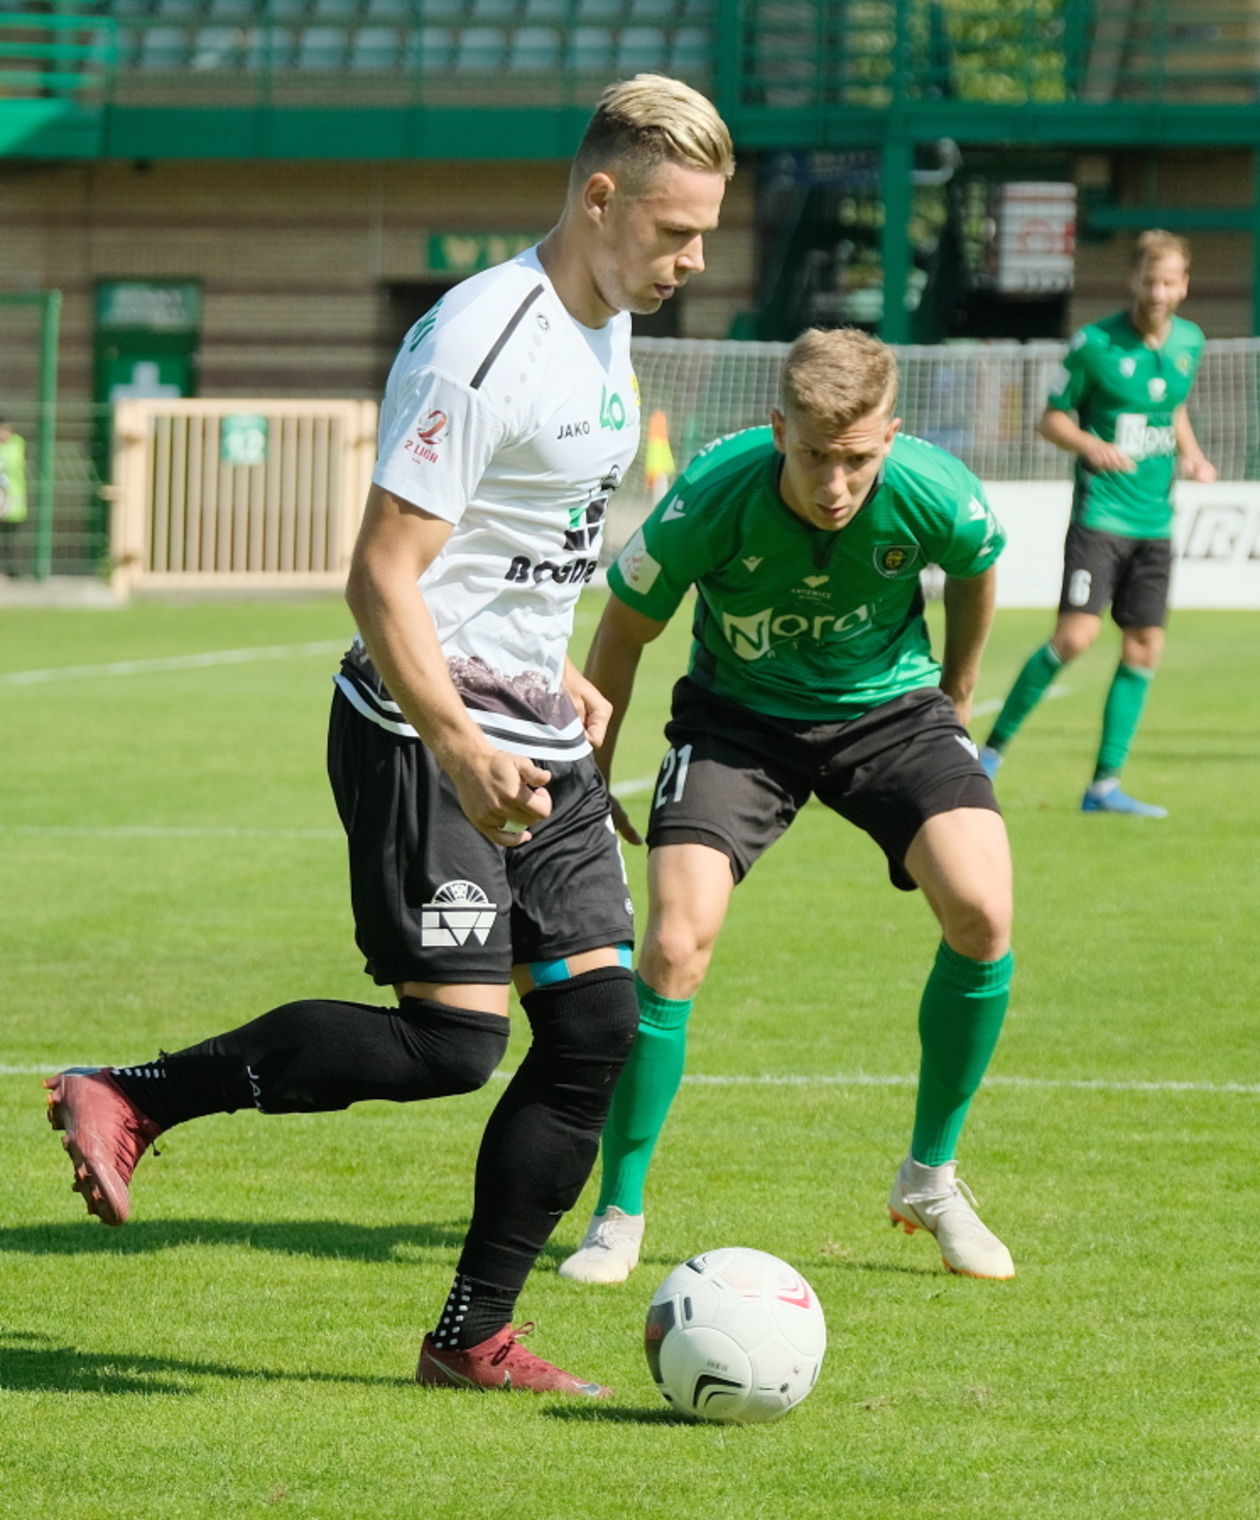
(509, 419)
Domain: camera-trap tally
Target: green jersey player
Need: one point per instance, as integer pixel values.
(812, 674)
(1127, 379)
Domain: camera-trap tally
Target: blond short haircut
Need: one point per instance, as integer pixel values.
(648, 121)
(834, 377)
(1155, 244)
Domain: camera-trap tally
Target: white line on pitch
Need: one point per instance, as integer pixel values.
(870, 1079)
(174, 662)
(1071, 1084)
(994, 704)
(158, 831)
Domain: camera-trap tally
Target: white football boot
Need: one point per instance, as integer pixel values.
(610, 1248)
(943, 1206)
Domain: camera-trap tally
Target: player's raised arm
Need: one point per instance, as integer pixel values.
(397, 543)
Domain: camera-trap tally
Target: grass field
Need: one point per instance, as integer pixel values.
(171, 866)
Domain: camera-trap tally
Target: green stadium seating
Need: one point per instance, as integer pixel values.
(536, 50)
(270, 47)
(591, 49)
(531, 38)
(375, 49)
(217, 47)
(322, 50)
(480, 50)
(431, 49)
(641, 50)
(163, 48)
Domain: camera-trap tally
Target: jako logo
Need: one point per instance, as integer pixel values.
(752, 638)
(458, 909)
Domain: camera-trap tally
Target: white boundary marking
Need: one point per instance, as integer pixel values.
(871, 1079)
(175, 662)
(157, 831)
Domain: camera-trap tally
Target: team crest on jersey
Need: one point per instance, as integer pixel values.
(458, 911)
(892, 560)
(1183, 363)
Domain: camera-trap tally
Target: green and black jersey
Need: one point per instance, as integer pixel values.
(801, 622)
(1125, 392)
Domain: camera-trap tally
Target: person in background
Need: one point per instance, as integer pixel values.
(1127, 379)
(12, 495)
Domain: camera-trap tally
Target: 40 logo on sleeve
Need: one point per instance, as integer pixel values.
(457, 909)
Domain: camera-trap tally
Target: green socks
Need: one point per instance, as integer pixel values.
(644, 1093)
(1030, 686)
(1122, 712)
(960, 1019)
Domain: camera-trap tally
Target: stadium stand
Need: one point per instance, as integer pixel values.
(471, 37)
(536, 50)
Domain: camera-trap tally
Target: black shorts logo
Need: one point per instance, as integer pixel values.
(458, 909)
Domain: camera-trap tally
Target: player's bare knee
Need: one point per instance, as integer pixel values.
(1142, 647)
(675, 959)
(979, 928)
(1071, 646)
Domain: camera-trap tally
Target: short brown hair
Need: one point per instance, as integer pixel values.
(650, 120)
(1155, 243)
(835, 376)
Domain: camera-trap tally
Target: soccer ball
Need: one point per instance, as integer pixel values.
(735, 1335)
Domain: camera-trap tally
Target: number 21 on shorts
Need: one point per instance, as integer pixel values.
(673, 776)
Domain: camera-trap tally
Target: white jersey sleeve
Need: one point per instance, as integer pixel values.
(441, 437)
(510, 420)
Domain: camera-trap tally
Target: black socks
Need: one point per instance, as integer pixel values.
(312, 1057)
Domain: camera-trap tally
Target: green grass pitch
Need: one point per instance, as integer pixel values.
(170, 865)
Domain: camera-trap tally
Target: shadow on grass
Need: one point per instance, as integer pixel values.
(335, 1239)
(292, 1237)
(597, 1412)
(37, 1364)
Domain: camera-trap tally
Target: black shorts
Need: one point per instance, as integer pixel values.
(1130, 575)
(434, 900)
(734, 779)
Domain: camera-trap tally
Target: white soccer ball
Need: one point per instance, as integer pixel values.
(735, 1335)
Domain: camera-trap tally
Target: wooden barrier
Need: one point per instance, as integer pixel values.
(238, 494)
